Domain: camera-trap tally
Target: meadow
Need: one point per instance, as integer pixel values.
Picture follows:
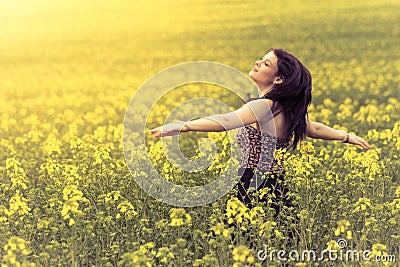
(68, 70)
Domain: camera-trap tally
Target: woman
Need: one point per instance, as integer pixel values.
(277, 119)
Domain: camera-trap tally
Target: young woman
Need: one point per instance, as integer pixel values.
(277, 119)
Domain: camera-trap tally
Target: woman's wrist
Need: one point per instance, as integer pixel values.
(345, 137)
(186, 127)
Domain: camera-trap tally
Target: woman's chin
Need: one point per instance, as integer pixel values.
(251, 74)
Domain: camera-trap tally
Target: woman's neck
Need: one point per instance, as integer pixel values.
(262, 91)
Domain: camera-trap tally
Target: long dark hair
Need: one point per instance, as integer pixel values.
(293, 94)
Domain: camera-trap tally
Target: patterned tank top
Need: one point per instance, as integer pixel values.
(258, 149)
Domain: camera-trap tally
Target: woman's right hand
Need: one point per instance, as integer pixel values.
(169, 129)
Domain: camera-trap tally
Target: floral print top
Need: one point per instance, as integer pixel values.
(258, 149)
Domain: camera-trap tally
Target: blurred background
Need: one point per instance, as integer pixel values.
(76, 46)
(68, 70)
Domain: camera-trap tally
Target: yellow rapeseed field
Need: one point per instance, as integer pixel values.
(68, 70)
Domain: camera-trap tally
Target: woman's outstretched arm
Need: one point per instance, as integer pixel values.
(254, 111)
(321, 131)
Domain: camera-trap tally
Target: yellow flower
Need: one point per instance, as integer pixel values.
(127, 208)
(18, 205)
(101, 154)
(52, 145)
(235, 209)
(16, 252)
(256, 215)
(332, 245)
(362, 204)
(179, 217)
(16, 173)
(349, 235)
(240, 253)
(262, 192)
(306, 147)
(164, 254)
(218, 229)
(267, 228)
(72, 196)
(279, 234)
(342, 227)
(226, 233)
(148, 247)
(379, 250)
(176, 222)
(397, 191)
(250, 259)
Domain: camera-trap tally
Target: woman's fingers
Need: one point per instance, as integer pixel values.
(154, 130)
(169, 129)
(158, 131)
(364, 144)
(356, 140)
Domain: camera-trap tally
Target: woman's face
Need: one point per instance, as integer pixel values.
(264, 72)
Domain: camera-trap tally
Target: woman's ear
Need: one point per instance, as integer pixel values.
(278, 80)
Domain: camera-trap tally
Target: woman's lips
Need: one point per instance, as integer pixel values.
(254, 69)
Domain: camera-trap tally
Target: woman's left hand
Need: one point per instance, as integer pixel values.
(169, 129)
(356, 140)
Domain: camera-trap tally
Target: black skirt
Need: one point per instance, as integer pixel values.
(250, 182)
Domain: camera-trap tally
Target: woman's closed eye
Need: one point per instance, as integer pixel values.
(265, 61)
